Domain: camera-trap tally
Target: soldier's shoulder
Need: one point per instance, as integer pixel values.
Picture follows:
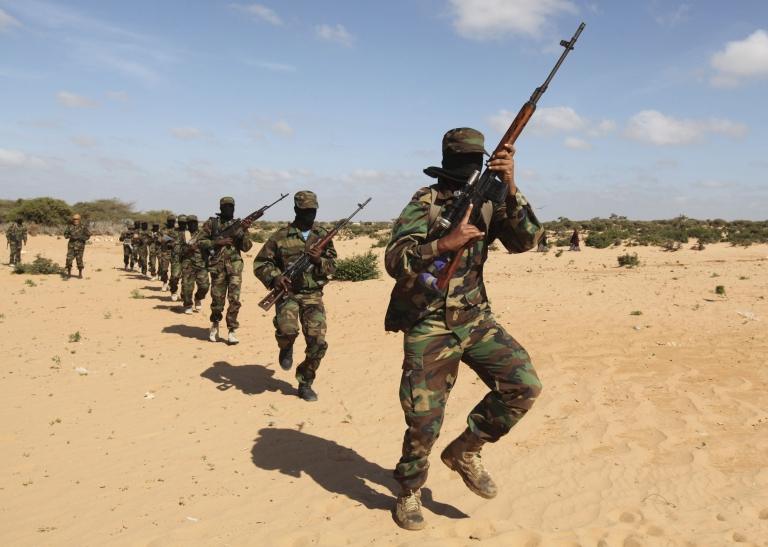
(423, 194)
(280, 233)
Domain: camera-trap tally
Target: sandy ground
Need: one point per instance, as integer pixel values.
(652, 429)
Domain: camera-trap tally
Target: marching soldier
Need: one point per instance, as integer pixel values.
(16, 237)
(126, 238)
(180, 238)
(304, 302)
(167, 238)
(77, 234)
(194, 270)
(154, 248)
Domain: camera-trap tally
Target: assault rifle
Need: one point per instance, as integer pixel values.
(487, 186)
(303, 264)
(233, 229)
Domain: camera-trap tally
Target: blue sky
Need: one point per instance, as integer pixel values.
(659, 111)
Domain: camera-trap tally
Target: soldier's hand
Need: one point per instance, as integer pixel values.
(314, 255)
(503, 163)
(460, 235)
(223, 241)
(282, 283)
(245, 225)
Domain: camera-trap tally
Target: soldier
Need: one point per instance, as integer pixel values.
(194, 269)
(16, 236)
(154, 248)
(135, 242)
(167, 238)
(575, 240)
(180, 238)
(126, 237)
(225, 266)
(77, 234)
(144, 239)
(304, 301)
(442, 328)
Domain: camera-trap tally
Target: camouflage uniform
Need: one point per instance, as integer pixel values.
(143, 251)
(194, 270)
(443, 328)
(135, 243)
(226, 268)
(165, 247)
(16, 236)
(305, 304)
(154, 248)
(126, 237)
(77, 236)
(177, 246)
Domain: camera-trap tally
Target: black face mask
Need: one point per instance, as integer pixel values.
(192, 226)
(170, 223)
(144, 225)
(305, 218)
(136, 225)
(182, 226)
(155, 228)
(456, 169)
(227, 211)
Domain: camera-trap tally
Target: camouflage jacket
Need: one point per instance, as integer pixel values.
(412, 250)
(145, 238)
(222, 255)
(77, 234)
(126, 237)
(16, 233)
(154, 241)
(283, 248)
(165, 244)
(195, 257)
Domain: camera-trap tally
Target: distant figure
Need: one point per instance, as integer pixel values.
(575, 241)
(16, 236)
(77, 234)
(543, 247)
(126, 237)
(194, 271)
(154, 250)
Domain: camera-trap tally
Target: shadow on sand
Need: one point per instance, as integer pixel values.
(187, 331)
(250, 379)
(338, 469)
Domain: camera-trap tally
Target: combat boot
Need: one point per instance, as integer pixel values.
(213, 334)
(79, 274)
(463, 456)
(232, 337)
(165, 287)
(69, 272)
(307, 393)
(286, 358)
(174, 297)
(188, 310)
(198, 306)
(408, 510)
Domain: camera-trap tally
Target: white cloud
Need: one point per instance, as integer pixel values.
(482, 19)
(575, 143)
(675, 17)
(545, 121)
(267, 176)
(282, 128)
(15, 158)
(742, 59)
(70, 100)
(84, 141)
(653, 127)
(7, 21)
(602, 128)
(337, 34)
(187, 133)
(261, 12)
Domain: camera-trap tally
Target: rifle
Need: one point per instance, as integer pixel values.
(487, 186)
(303, 264)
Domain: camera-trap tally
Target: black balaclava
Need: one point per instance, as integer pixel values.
(19, 221)
(182, 225)
(227, 211)
(305, 218)
(456, 169)
(144, 226)
(192, 226)
(170, 223)
(136, 224)
(155, 227)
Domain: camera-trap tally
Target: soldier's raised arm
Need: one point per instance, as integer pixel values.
(265, 266)
(407, 252)
(515, 224)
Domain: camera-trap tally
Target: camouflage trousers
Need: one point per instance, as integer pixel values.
(134, 254)
(163, 263)
(192, 275)
(175, 267)
(143, 252)
(309, 309)
(431, 364)
(75, 250)
(152, 261)
(127, 256)
(15, 253)
(226, 279)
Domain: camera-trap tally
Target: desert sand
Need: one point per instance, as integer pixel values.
(652, 429)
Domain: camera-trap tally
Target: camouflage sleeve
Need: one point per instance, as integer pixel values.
(86, 234)
(244, 243)
(205, 242)
(407, 252)
(265, 266)
(515, 225)
(67, 232)
(327, 260)
(24, 235)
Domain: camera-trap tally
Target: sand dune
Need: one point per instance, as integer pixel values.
(652, 429)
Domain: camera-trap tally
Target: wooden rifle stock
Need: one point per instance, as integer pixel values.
(445, 275)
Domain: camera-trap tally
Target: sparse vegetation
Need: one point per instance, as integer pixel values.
(30, 283)
(40, 266)
(75, 337)
(135, 293)
(720, 289)
(636, 312)
(357, 268)
(628, 260)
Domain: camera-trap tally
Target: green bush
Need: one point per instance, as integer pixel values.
(628, 260)
(46, 211)
(381, 240)
(720, 289)
(112, 210)
(40, 266)
(357, 268)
